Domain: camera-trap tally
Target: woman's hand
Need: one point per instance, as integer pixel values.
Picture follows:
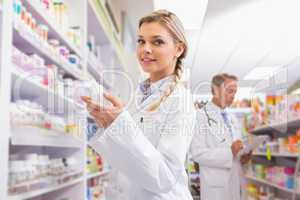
(104, 115)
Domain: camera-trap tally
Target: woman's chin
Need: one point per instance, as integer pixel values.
(147, 69)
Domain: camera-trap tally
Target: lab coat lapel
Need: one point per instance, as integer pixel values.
(157, 88)
(150, 122)
(218, 129)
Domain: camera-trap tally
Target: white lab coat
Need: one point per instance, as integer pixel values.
(211, 148)
(149, 148)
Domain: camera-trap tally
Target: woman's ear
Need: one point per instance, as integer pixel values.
(180, 47)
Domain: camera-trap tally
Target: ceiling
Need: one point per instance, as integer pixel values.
(237, 36)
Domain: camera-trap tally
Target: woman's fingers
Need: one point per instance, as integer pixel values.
(104, 116)
(98, 118)
(114, 100)
(86, 99)
(94, 106)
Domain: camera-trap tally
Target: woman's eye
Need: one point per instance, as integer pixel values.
(140, 41)
(158, 42)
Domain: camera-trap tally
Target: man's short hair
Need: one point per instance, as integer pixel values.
(219, 79)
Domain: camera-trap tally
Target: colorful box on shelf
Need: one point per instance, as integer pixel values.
(95, 189)
(283, 108)
(69, 64)
(38, 35)
(261, 192)
(276, 175)
(34, 67)
(279, 112)
(54, 16)
(288, 146)
(94, 161)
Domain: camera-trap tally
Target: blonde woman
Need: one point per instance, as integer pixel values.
(149, 145)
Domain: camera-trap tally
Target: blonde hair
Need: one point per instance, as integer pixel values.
(175, 27)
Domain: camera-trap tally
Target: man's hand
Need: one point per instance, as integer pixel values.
(246, 158)
(236, 147)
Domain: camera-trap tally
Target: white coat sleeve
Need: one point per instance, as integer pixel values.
(208, 156)
(126, 148)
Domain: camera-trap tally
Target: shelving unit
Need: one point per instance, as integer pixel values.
(284, 154)
(98, 174)
(97, 26)
(54, 30)
(110, 35)
(24, 42)
(96, 74)
(36, 193)
(5, 84)
(91, 16)
(279, 128)
(28, 88)
(32, 136)
(271, 184)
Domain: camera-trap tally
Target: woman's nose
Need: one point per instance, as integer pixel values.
(147, 48)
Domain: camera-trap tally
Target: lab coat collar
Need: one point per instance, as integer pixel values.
(156, 90)
(217, 108)
(156, 86)
(149, 91)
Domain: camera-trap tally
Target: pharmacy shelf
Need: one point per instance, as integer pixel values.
(285, 154)
(270, 184)
(98, 12)
(49, 189)
(55, 31)
(33, 136)
(98, 174)
(26, 87)
(95, 25)
(97, 75)
(281, 127)
(26, 43)
(46, 180)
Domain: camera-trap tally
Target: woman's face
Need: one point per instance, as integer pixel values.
(157, 51)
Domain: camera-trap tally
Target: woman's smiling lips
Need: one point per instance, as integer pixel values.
(147, 60)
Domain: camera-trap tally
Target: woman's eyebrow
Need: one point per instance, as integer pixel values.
(155, 36)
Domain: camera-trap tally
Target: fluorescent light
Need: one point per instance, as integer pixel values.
(261, 73)
(190, 12)
(296, 92)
